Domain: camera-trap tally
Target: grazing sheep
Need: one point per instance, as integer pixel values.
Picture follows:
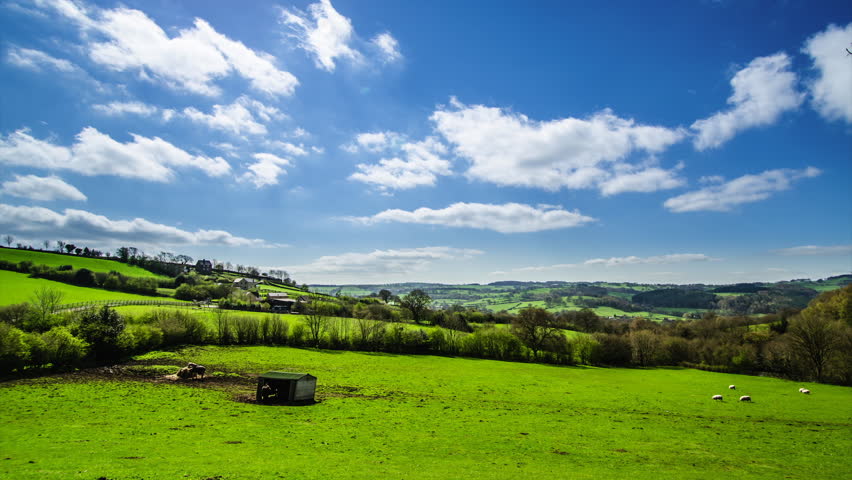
(717, 397)
(198, 370)
(806, 391)
(800, 390)
(732, 387)
(184, 372)
(745, 398)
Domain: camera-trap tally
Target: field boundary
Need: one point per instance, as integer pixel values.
(122, 303)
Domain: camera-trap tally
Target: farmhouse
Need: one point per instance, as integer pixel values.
(245, 283)
(204, 267)
(280, 301)
(286, 387)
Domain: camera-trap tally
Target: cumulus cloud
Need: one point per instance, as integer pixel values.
(124, 39)
(237, 118)
(289, 148)
(746, 189)
(814, 250)
(416, 164)
(507, 148)
(115, 109)
(831, 92)
(80, 225)
(43, 189)
(330, 37)
(647, 179)
(37, 60)
(388, 46)
(385, 262)
(374, 142)
(763, 90)
(326, 34)
(265, 170)
(506, 218)
(95, 153)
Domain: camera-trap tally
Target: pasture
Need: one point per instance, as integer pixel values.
(19, 287)
(56, 260)
(417, 417)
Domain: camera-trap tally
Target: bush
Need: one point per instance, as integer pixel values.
(13, 350)
(63, 348)
(15, 315)
(102, 328)
(613, 350)
(179, 327)
(246, 330)
(274, 330)
(140, 338)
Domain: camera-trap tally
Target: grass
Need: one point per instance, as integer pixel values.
(18, 288)
(56, 260)
(401, 416)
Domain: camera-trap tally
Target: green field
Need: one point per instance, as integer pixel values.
(412, 417)
(18, 288)
(56, 260)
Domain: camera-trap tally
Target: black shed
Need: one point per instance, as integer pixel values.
(286, 387)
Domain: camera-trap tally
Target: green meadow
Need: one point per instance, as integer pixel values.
(418, 417)
(56, 260)
(19, 287)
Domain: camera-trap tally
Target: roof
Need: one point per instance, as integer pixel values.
(277, 294)
(285, 375)
(246, 279)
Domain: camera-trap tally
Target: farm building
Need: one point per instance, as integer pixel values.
(204, 267)
(286, 388)
(280, 301)
(245, 283)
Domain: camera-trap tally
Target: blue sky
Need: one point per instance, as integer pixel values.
(371, 142)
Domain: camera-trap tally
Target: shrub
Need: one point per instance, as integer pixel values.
(613, 350)
(16, 314)
(179, 327)
(101, 328)
(84, 277)
(64, 348)
(13, 350)
(274, 330)
(246, 330)
(38, 352)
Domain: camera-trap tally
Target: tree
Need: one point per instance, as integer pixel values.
(815, 338)
(8, 239)
(535, 327)
(385, 295)
(69, 247)
(46, 244)
(44, 301)
(101, 328)
(316, 320)
(78, 250)
(417, 302)
(60, 245)
(645, 346)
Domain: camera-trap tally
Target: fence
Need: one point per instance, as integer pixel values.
(122, 303)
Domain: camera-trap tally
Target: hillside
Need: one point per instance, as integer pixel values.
(57, 259)
(654, 301)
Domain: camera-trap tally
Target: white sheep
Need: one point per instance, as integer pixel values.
(800, 389)
(717, 397)
(732, 387)
(745, 398)
(806, 391)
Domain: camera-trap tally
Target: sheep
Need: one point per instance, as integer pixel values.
(717, 397)
(198, 370)
(745, 398)
(806, 391)
(732, 387)
(184, 372)
(800, 390)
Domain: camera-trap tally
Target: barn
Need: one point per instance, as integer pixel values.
(286, 388)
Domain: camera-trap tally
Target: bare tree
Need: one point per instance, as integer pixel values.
(45, 301)
(317, 320)
(816, 339)
(645, 345)
(60, 245)
(46, 244)
(8, 239)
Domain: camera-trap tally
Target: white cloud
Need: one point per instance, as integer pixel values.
(816, 250)
(388, 46)
(420, 165)
(266, 170)
(374, 142)
(289, 148)
(763, 90)
(386, 262)
(648, 179)
(327, 35)
(80, 225)
(506, 218)
(122, 108)
(193, 60)
(622, 261)
(43, 189)
(236, 118)
(95, 153)
(510, 149)
(745, 189)
(37, 60)
(830, 91)
(661, 259)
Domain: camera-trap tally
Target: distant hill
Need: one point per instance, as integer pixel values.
(53, 259)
